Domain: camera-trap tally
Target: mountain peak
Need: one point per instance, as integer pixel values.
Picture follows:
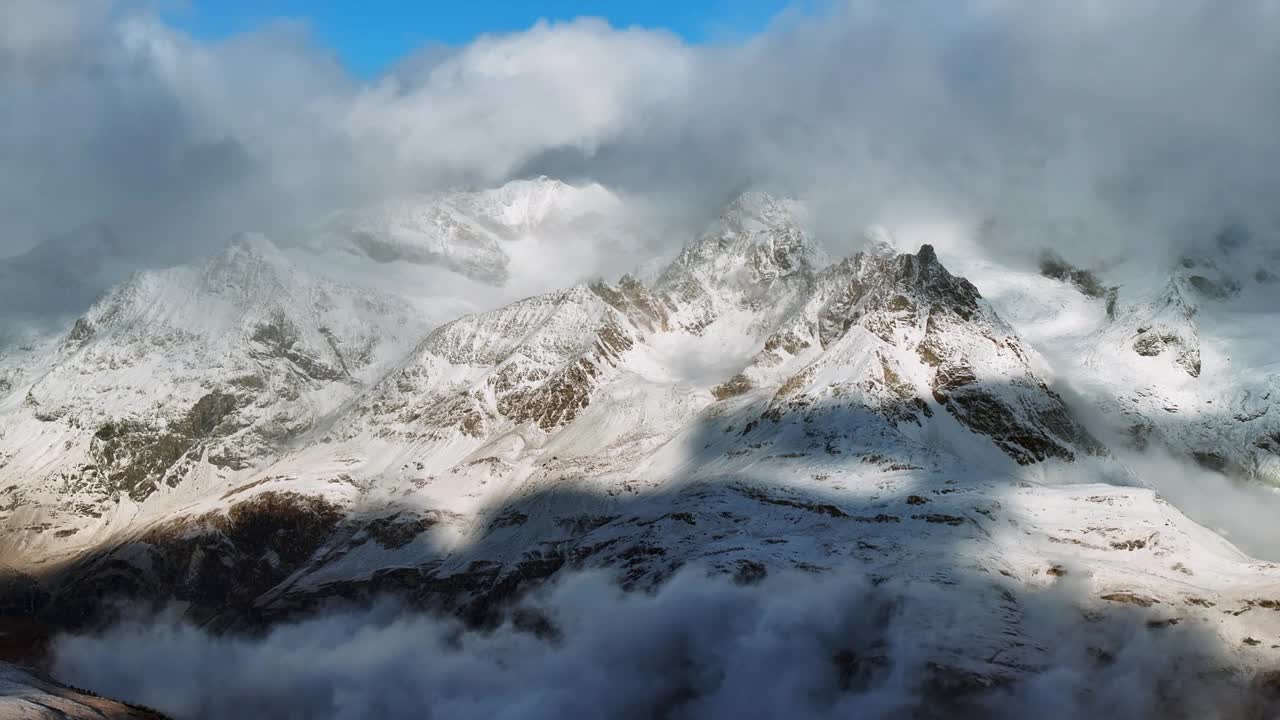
(248, 265)
(756, 254)
(761, 227)
(927, 255)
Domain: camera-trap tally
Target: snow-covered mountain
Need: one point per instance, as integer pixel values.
(251, 440)
(177, 377)
(1181, 359)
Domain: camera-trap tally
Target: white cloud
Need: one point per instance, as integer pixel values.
(796, 646)
(1123, 126)
(37, 33)
(486, 109)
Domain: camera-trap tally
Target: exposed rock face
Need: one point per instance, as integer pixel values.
(1052, 266)
(136, 459)
(636, 301)
(537, 361)
(220, 562)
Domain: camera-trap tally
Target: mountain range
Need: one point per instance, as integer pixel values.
(252, 439)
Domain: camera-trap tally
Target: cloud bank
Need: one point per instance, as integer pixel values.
(1107, 125)
(795, 646)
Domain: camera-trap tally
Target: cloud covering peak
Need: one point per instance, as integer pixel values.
(1107, 127)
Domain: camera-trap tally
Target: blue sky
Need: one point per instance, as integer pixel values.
(371, 35)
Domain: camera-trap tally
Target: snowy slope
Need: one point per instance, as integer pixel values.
(1178, 358)
(184, 375)
(25, 695)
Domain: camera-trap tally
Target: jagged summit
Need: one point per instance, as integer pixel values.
(756, 257)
